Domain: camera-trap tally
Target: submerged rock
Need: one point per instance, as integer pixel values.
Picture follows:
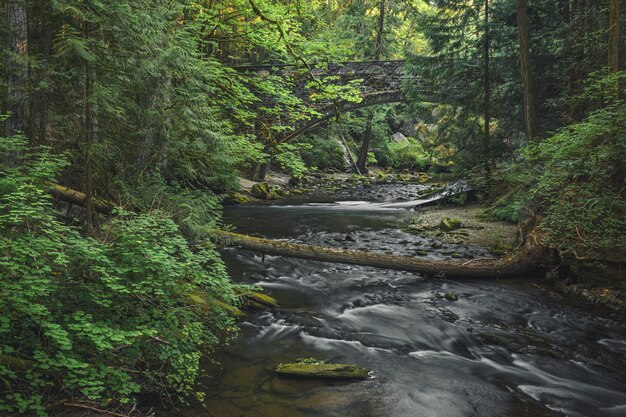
(451, 296)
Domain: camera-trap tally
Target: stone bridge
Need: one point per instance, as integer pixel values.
(380, 83)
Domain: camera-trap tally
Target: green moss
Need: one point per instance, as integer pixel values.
(203, 301)
(261, 190)
(239, 198)
(322, 370)
(262, 299)
(448, 224)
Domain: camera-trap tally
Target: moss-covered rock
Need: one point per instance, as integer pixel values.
(239, 198)
(451, 296)
(261, 191)
(262, 299)
(448, 224)
(311, 368)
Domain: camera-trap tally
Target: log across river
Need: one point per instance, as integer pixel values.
(473, 268)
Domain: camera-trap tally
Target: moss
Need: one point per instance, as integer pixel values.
(262, 299)
(421, 252)
(205, 302)
(261, 190)
(448, 224)
(451, 296)
(239, 198)
(319, 369)
(501, 249)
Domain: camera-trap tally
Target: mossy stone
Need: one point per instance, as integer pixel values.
(451, 296)
(322, 370)
(261, 190)
(448, 224)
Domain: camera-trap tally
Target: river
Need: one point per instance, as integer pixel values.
(425, 352)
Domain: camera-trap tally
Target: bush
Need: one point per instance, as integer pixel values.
(323, 153)
(289, 159)
(575, 180)
(404, 155)
(97, 319)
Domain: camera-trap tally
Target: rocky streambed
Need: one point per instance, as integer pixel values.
(435, 346)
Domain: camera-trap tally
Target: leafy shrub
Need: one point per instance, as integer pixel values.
(404, 155)
(323, 153)
(97, 319)
(289, 159)
(575, 180)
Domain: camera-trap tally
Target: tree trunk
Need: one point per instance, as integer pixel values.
(352, 161)
(614, 40)
(528, 93)
(487, 98)
(263, 171)
(367, 137)
(478, 268)
(88, 144)
(577, 36)
(15, 69)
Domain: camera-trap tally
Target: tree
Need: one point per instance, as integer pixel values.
(16, 68)
(367, 138)
(528, 93)
(613, 36)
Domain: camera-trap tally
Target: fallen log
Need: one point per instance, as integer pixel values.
(519, 264)
(76, 197)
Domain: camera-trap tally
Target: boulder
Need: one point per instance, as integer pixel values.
(319, 369)
(399, 137)
(448, 224)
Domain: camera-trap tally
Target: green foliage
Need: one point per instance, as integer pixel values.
(405, 155)
(290, 160)
(575, 179)
(324, 152)
(100, 319)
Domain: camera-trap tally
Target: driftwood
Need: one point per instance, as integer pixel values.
(477, 268)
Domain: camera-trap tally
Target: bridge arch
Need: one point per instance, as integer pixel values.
(346, 107)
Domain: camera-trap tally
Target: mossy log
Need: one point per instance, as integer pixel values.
(76, 197)
(322, 370)
(518, 264)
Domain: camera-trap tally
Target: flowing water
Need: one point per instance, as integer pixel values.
(424, 351)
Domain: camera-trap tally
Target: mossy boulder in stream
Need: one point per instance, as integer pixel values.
(313, 368)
